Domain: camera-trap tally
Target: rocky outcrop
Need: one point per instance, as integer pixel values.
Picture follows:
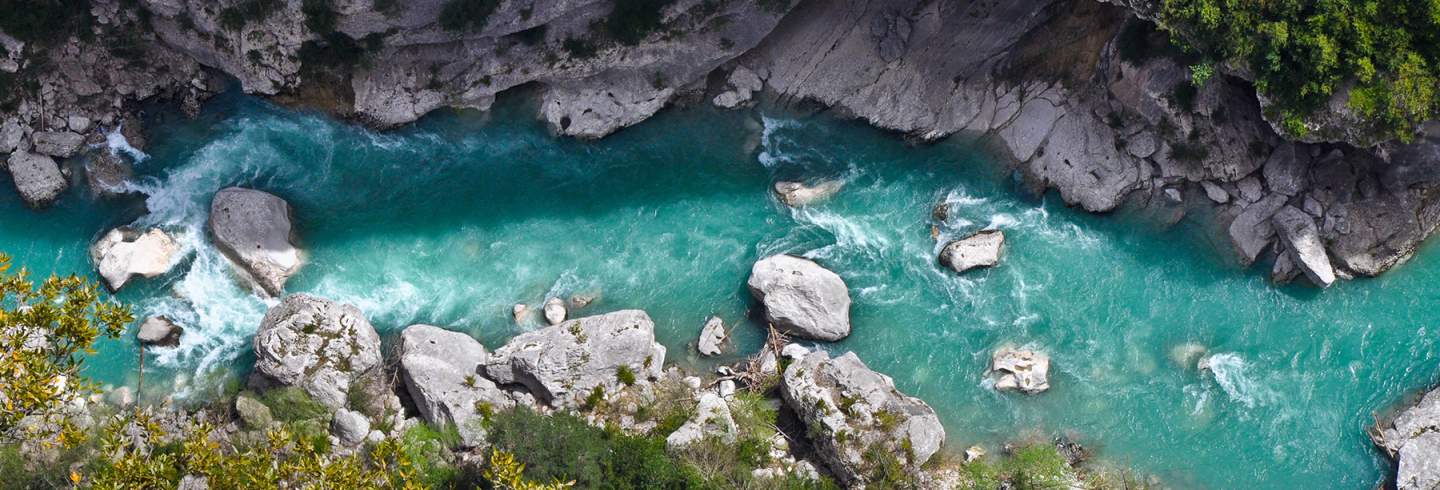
(799, 194)
(712, 419)
(1298, 232)
(254, 231)
(1413, 439)
(563, 364)
(124, 253)
(1014, 369)
(317, 345)
(801, 298)
(855, 413)
(711, 337)
(979, 250)
(159, 331)
(441, 371)
(741, 87)
(37, 178)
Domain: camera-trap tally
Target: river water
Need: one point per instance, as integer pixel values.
(454, 219)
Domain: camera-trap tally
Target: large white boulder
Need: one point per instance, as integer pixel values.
(317, 345)
(562, 364)
(801, 298)
(1014, 369)
(982, 249)
(441, 372)
(124, 253)
(254, 231)
(1413, 439)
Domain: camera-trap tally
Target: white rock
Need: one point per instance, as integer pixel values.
(350, 427)
(798, 194)
(801, 298)
(1020, 370)
(520, 312)
(712, 420)
(37, 177)
(983, 249)
(1297, 229)
(159, 331)
(554, 311)
(254, 230)
(124, 253)
(711, 337)
(315, 344)
(61, 144)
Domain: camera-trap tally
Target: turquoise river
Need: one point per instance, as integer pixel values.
(452, 220)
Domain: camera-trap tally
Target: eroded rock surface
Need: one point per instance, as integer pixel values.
(37, 178)
(124, 253)
(441, 371)
(317, 345)
(563, 364)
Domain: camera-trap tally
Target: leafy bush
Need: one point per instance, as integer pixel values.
(291, 404)
(45, 21)
(630, 21)
(320, 16)
(235, 17)
(625, 376)
(579, 48)
(1303, 52)
(466, 15)
(563, 447)
(1036, 466)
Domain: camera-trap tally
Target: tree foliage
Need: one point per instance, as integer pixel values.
(1301, 52)
(45, 332)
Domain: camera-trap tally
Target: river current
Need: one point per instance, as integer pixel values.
(454, 219)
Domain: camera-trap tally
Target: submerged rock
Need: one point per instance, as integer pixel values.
(982, 249)
(1299, 233)
(1413, 439)
(801, 298)
(441, 371)
(712, 419)
(798, 194)
(124, 253)
(711, 337)
(853, 411)
(555, 311)
(317, 345)
(108, 173)
(37, 178)
(562, 364)
(1025, 371)
(159, 331)
(254, 231)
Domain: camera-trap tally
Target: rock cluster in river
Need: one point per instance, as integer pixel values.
(1412, 437)
(441, 371)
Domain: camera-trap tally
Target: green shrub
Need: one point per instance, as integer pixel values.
(320, 16)
(466, 15)
(579, 48)
(236, 17)
(291, 404)
(45, 21)
(563, 447)
(625, 376)
(427, 448)
(630, 21)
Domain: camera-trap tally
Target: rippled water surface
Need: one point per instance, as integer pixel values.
(453, 220)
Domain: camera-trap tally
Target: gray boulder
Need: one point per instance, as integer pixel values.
(159, 331)
(801, 298)
(1251, 232)
(317, 345)
(124, 253)
(350, 427)
(982, 249)
(441, 372)
(60, 144)
(1305, 249)
(37, 177)
(799, 194)
(852, 410)
(712, 419)
(555, 311)
(711, 337)
(1413, 439)
(1025, 371)
(563, 364)
(254, 231)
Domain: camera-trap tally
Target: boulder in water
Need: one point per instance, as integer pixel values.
(1412, 437)
(107, 173)
(801, 298)
(520, 312)
(852, 410)
(555, 311)
(1025, 371)
(254, 231)
(37, 177)
(124, 253)
(441, 371)
(982, 249)
(1305, 248)
(159, 331)
(798, 194)
(562, 364)
(317, 345)
(711, 337)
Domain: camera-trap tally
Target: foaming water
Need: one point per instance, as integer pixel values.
(453, 220)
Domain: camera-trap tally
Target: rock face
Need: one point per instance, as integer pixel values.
(317, 345)
(801, 298)
(1413, 439)
(253, 229)
(711, 337)
(799, 194)
(982, 249)
(37, 177)
(563, 364)
(159, 331)
(1025, 371)
(124, 253)
(442, 372)
(1302, 239)
(853, 410)
(712, 419)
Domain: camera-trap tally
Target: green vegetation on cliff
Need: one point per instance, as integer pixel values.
(1302, 52)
